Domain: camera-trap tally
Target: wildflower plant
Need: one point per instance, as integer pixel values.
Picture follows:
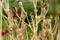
(19, 29)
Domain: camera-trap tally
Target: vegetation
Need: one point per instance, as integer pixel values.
(36, 20)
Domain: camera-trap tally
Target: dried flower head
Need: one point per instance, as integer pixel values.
(46, 22)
